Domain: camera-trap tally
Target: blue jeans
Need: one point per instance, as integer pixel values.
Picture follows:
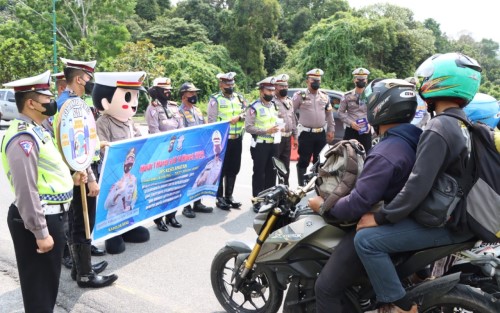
(374, 246)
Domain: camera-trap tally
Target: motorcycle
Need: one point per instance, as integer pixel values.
(293, 245)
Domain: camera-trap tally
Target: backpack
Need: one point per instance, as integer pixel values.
(481, 183)
(337, 175)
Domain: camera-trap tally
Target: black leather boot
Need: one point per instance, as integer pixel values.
(85, 276)
(160, 224)
(200, 207)
(97, 268)
(301, 171)
(230, 181)
(222, 204)
(170, 219)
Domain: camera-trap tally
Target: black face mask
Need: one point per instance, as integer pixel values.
(127, 167)
(50, 108)
(315, 85)
(361, 84)
(283, 92)
(192, 99)
(229, 90)
(163, 97)
(89, 86)
(267, 97)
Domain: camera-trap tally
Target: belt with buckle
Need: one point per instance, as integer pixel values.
(286, 134)
(50, 209)
(264, 141)
(313, 130)
(234, 136)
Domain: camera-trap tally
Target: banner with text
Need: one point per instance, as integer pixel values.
(146, 177)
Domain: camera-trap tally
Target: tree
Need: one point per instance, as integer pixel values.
(175, 32)
(442, 43)
(300, 15)
(147, 9)
(23, 58)
(201, 12)
(250, 19)
(275, 53)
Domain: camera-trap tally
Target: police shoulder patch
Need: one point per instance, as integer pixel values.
(27, 146)
(21, 126)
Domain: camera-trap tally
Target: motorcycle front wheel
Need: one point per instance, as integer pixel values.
(461, 298)
(259, 292)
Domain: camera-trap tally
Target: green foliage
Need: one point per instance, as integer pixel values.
(300, 15)
(275, 53)
(201, 12)
(175, 32)
(147, 9)
(22, 58)
(249, 21)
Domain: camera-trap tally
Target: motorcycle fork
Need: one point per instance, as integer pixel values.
(250, 261)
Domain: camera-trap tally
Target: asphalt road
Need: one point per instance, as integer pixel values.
(170, 273)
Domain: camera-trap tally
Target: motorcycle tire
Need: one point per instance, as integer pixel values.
(461, 298)
(259, 294)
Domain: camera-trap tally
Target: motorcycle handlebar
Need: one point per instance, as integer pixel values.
(305, 189)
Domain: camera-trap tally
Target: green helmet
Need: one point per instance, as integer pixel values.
(449, 75)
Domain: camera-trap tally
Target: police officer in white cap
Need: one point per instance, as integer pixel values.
(288, 118)
(36, 217)
(352, 111)
(315, 114)
(260, 122)
(162, 115)
(227, 105)
(79, 76)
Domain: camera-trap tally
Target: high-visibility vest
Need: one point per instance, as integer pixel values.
(54, 182)
(229, 108)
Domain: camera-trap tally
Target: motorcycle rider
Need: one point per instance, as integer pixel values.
(449, 83)
(385, 172)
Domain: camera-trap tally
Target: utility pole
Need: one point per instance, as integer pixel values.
(54, 25)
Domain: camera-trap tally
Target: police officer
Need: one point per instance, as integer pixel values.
(78, 74)
(352, 111)
(227, 105)
(36, 217)
(163, 115)
(60, 82)
(260, 122)
(315, 112)
(191, 116)
(286, 113)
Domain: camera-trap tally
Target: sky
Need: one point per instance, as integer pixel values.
(477, 18)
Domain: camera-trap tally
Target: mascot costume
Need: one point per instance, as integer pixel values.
(116, 96)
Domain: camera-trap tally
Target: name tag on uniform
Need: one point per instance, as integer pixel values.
(262, 112)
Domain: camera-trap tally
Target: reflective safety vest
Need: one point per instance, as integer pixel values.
(55, 184)
(229, 108)
(265, 118)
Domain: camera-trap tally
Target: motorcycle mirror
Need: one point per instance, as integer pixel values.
(280, 167)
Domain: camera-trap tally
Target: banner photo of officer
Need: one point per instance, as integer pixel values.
(146, 177)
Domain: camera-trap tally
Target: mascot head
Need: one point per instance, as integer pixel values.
(117, 93)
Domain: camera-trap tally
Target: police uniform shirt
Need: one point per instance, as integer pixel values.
(158, 120)
(286, 112)
(250, 119)
(351, 108)
(23, 155)
(314, 110)
(213, 106)
(192, 117)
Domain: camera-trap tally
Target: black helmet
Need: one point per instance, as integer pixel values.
(390, 101)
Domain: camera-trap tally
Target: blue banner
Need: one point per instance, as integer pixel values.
(146, 177)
